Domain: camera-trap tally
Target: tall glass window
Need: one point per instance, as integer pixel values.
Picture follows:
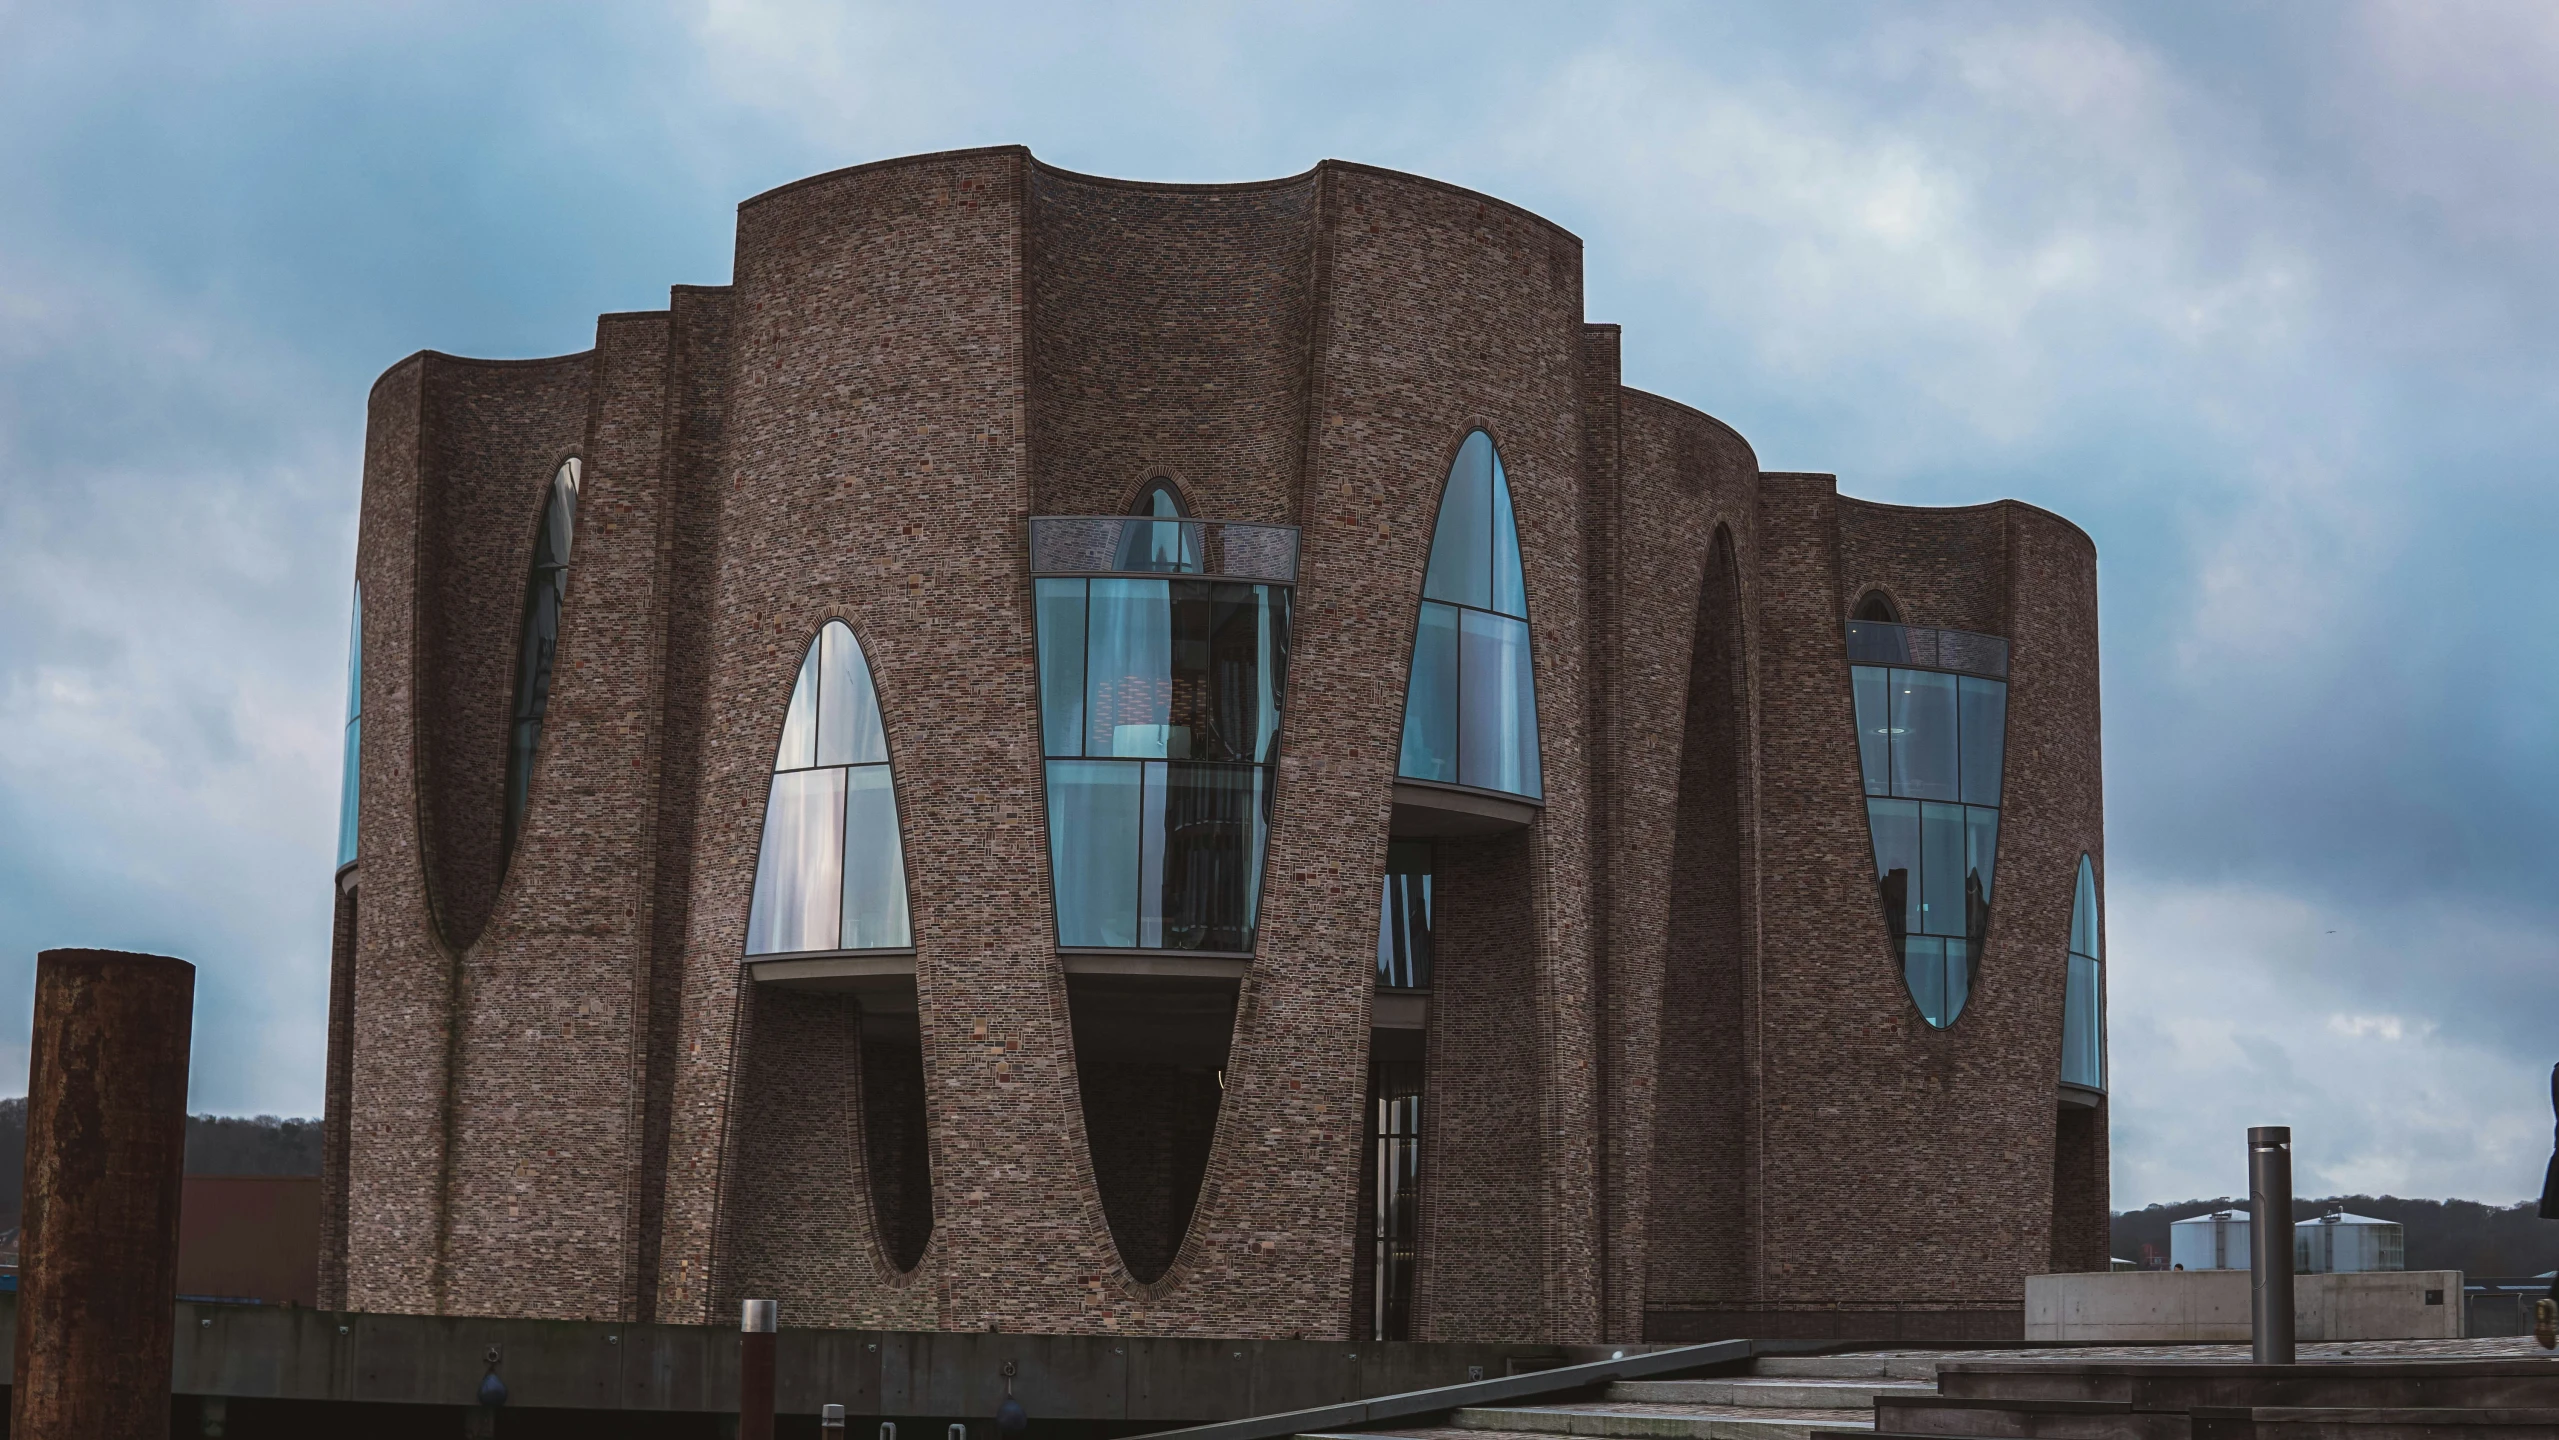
(1394, 1219)
(1159, 710)
(546, 589)
(1470, 708)
(832, 872)
(1930, 747)
(1404, 918)
(350, 777)
(2083, 1006)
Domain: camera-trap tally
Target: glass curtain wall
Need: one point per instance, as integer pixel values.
(546, 589)
(832, 871)
(2083, 1018)
(1930, 745)
(350, 778)
(1404, 918)
(1159, 714)
(1470, 709)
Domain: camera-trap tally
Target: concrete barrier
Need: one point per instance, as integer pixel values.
(2171, 1307)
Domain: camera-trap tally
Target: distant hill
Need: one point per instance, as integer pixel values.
(216, 1145)
(2459, 1235)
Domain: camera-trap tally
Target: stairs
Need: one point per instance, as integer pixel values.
(2153, 1400)
(1783, 1398)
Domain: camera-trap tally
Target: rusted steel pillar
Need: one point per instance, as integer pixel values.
(106, 1150)
(758, 1320)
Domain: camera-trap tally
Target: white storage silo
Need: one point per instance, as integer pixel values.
(2339, 1243)
(2218, 1241)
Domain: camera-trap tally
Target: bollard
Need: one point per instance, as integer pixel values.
(2270, 1243)
(106, 1150)
(757, 1322)
(830, 1422)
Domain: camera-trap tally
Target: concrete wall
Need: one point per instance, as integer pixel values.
(2211, 1306)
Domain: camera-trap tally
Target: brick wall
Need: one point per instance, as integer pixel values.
(1673, 1079)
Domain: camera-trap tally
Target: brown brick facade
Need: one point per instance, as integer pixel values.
(1674, 1084)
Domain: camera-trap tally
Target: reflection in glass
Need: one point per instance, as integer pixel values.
(2083, 1016)
(831, 872)
(1430, 704)
(1404, 918)
(1171, 547)
(1470, 706)
(1160, 710)
(1874, 728)
(1497, 705)
(546, 589)
(1395, 1164)
(350, 777)
(1926, 739)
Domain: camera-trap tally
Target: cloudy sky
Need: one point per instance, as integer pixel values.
(2262, 296)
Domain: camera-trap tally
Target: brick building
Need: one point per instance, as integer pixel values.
(1086, 756)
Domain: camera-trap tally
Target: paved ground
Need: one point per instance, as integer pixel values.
(2484, 1348)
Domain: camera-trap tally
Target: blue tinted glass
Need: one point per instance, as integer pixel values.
(1981, 852)
(1874, 727)
(1203, 829)
(848, 710)
(1168, 546)
(798, 750)
(1497, 705)
(1984, 709)
(1270, 616)
(1960, 955)
(1461, 568)
(2085, 935)
(1878, 640)
(1404, 918)
(2083, 1026)
(799, 872)
(1923, 724)
(350, 791)
(1093, 849)
(1128, 672)
(1061, 622)
(1895, 824)
(355, 658)
(1430, 699)
(1510, 587)
(1941, 868)
(874, 862)
(1923, 969)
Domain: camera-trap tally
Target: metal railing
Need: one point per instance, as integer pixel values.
(1876, 642)
(1141, 545)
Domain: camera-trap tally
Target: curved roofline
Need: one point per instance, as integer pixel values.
(1181, 187)
(1165, 187)
(895, 160)
(2008, 504)
(1520, 210)
(423, 357)
(1687, 409)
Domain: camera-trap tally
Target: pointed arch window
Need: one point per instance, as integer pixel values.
(1169, 547)
(2083, 1012)
(831, 874)
(546, 589)
(1470, 708)
(350, 777)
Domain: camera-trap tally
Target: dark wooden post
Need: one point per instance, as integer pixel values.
(106, 1150)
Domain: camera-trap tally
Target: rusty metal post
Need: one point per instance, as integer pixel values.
(757, 1322)
(106, 1153)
